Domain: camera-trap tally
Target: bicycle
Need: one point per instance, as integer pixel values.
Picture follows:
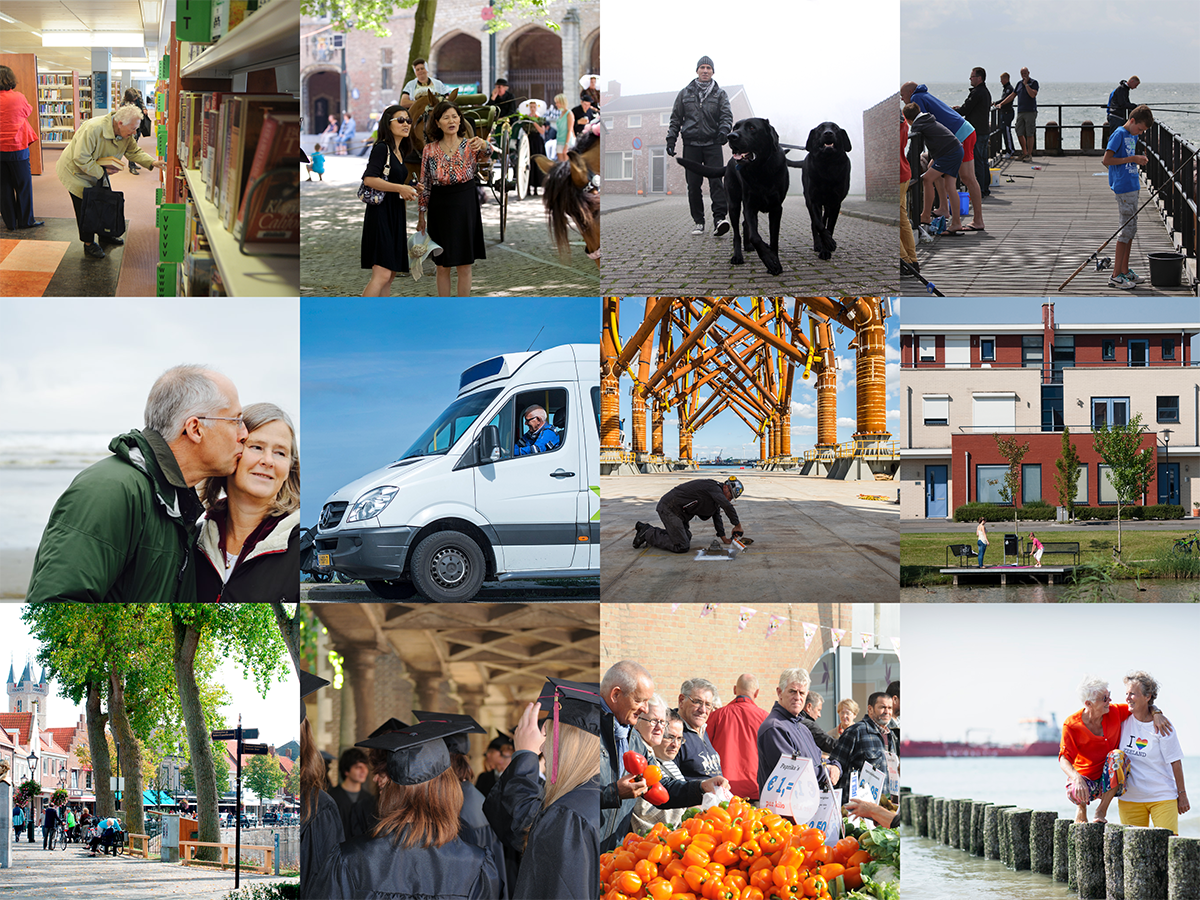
(1188, 543)
(59, 835)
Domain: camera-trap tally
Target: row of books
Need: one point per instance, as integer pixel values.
(239, 143)
(57, 136)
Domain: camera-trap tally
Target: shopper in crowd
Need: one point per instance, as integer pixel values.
(16, 136)
(385, 230)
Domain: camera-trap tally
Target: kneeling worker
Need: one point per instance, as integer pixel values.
(703, 498)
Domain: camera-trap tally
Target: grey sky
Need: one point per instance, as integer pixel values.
(985, 666)
(275, 715)
(1063, 41)
(802, 63)
(87, 365)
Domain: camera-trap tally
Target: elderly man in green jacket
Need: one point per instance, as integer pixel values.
(124, 529)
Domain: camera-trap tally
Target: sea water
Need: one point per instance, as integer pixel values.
(1184, 124)
(35, 468)
(934, 871)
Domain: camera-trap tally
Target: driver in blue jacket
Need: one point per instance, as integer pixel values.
(539, 436)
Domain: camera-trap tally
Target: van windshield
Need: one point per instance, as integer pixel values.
(451, 425)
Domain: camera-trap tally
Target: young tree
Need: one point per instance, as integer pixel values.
(1013, 453)
(1067, 478)
(1131, 466)
(263, 775)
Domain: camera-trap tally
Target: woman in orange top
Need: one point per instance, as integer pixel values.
(16, 134)
(1088, 753)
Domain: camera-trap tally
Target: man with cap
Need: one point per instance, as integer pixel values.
(416, 852)
(320, 822)
(702, 116)
(625, 692)
(496, 759)
(561, 859)
(703, 498)
(585, 113)
(502, 98)
(473, 825)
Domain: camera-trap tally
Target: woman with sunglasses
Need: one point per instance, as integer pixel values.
(385, 236)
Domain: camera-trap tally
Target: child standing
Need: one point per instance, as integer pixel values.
(947, 155)
(1122, 165)
(1037, 549)
(317, 165)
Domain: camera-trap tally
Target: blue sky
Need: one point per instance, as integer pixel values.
(375, 372)
(727, 433)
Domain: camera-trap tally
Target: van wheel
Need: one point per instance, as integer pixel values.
(448, 567)
(392, 590)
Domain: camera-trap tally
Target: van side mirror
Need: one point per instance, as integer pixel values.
(489, 444)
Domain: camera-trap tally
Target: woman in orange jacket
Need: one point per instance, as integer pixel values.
(16, 196)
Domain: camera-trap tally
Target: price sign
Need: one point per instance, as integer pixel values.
(792, 790)
(870, 783)
(166, 279)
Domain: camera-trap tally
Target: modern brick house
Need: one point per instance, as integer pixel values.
(963, 383)
(644, 118)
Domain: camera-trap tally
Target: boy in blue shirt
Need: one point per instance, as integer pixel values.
(317, 165)
(1122, 165)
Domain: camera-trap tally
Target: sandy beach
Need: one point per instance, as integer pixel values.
(16, 564)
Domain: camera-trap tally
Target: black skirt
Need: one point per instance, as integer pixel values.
(454, 222)
(385, 233)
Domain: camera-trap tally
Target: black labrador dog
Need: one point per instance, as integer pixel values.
(756, 180)
(825, 177)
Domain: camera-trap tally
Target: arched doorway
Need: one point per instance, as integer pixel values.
(323, 90)
(591, 54)
(457, 63)
(535, 64)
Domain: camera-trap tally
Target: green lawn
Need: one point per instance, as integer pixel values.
(922, 555)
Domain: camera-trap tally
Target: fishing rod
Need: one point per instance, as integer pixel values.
(907, 268)
(1170, 180)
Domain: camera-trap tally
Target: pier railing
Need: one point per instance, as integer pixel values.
(1178, 192)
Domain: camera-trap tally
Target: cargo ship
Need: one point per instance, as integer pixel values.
(1041, 739)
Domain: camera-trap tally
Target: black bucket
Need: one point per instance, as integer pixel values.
(1166, 269)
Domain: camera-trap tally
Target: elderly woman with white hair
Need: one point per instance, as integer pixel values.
(109, 136)
(1095, 766)
(1154, 789)
(783, 732)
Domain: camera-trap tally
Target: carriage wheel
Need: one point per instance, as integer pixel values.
(523, 165)
(503, 188)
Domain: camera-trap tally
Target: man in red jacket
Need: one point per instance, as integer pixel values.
(733, 730)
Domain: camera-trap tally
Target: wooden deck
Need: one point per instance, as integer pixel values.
(1039, 230)
(992, 574)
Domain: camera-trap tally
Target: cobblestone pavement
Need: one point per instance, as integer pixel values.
(526, 264)
(648, 250)
(38, 874)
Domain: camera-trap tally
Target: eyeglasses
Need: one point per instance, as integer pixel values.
(653, 723)
(237, 419)
(702, 704)
(672, 739)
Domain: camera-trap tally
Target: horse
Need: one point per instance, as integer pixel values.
(570, 192)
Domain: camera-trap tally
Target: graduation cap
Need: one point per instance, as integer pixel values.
(576, 703)
(417, 753)
(455, 743)
(392, 724)
(309, 683)
(500, 741)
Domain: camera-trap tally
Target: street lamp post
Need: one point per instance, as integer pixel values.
(32, 760)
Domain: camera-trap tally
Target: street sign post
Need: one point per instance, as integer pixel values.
(240, 735)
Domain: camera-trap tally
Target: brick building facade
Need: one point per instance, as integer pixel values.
(881, 145)
(537, 62)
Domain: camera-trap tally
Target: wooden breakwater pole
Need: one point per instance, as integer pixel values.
(1100, 861)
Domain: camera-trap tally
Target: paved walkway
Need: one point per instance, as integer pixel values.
(73, 874)
(1040, 227)
(526, 264)
(813, 540)
(648, 251)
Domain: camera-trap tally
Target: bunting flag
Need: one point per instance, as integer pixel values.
(776, 621)
(865, 639)
(896, 644)
(810, 631)
(675, 607)
(744, 618)
(708, 607)
(838, 635)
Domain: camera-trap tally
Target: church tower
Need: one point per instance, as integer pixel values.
(23, 692)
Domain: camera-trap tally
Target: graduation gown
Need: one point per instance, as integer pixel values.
(512, 806)
(379, 869)
(358, 816)
(562, 858)
(320, 835)
(474, 828)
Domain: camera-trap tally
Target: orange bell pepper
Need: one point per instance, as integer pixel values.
(726, 854)
(815, 885)
(695, 856)
(659, 889)
(676, 839)
(823, 855)
(811, 839)
(761, 862)
(624, 860)
(679, 884)
(857, 858)
(750, 892)
(629, 882)
(707, 842)
(832, 870)
(736, 878)
(770, 841)
(718, 870)
(674, 867)
(762, 879)
(792, 856)
(653, 774)
(646, 870)
(694, 825)
(853, 878)
(696, 877)
(749, 849)
(784, 876)
(733, 833)
(845, 847)
(716, 815)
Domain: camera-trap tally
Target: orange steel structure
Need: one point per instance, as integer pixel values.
(703, 355)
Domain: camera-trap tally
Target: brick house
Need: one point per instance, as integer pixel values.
(962, 383)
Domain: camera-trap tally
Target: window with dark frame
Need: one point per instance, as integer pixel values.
(1108, 350)
(1168, 348)
(1168, 409)
(987, 349)
(385, 68)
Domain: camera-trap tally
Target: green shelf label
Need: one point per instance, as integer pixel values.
(193, 20)
(171, 228)
(159, 193)
(161, 137)
(167, 279)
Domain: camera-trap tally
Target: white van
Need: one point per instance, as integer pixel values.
(459, 507)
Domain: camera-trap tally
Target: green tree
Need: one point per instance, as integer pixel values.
(291, 782)
(220, 770)
(1131, 466)
(263, 775)
(1066, 479)
(372, 15)
(1013, 452)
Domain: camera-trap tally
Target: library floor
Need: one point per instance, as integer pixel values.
(27, 257)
